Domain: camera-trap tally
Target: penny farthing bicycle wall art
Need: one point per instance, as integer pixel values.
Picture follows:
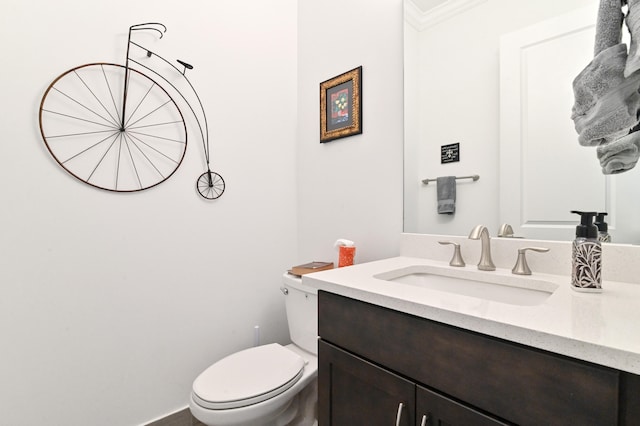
(118, 128)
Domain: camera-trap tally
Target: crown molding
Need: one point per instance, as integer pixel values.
(423, 20)
(412, 14)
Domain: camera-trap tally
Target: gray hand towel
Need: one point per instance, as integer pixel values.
(633, 24)
(607, 100)
(606, 103)
(620, 155)
(608, 25)
(446, 189)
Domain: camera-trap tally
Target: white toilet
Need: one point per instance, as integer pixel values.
(268, 385)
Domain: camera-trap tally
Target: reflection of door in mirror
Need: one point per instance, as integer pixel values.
(544, 173)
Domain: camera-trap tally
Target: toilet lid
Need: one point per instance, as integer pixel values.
(248, 377)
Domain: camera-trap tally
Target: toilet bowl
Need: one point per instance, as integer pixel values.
(267, 385)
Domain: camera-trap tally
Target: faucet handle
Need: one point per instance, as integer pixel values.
(456, 260)
(505, 231)
(521, 267)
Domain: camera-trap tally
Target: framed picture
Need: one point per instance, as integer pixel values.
(341, 106)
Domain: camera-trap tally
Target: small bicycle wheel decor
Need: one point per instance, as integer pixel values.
(117, 128)
(210, 185)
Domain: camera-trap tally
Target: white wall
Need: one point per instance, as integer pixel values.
(351, 187)
(111, 304)
(412, 148)
(460, 100)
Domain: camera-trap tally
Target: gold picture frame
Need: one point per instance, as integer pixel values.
(341, 106)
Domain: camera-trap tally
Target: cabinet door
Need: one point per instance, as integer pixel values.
(352, 391)
(433, 409)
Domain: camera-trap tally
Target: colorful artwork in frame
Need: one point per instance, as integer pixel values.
(340, 106)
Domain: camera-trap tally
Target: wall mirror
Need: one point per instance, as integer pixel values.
(495, 77)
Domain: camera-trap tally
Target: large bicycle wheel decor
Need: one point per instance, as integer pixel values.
(110, 137)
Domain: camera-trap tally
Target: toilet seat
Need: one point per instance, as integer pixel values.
(248, 377)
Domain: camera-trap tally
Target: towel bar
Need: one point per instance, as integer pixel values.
(474, 177)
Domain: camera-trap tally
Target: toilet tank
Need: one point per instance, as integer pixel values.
(301, 303)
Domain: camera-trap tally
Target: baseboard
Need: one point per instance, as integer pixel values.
(179, 418)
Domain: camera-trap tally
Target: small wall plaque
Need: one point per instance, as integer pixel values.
(449, 153)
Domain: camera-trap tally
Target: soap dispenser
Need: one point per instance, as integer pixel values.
(603, 228)
(586, 273)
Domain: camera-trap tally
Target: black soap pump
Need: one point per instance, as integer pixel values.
(603, 228)
(586, 273)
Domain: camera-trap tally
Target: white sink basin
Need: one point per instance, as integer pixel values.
(494, 286)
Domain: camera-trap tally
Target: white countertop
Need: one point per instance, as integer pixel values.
(602, 328)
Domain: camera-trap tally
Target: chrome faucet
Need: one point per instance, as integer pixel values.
(481, 232)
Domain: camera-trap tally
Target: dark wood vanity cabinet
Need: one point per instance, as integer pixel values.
(436, 409)
(361, 393)
(356, 392)
(372, 359)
